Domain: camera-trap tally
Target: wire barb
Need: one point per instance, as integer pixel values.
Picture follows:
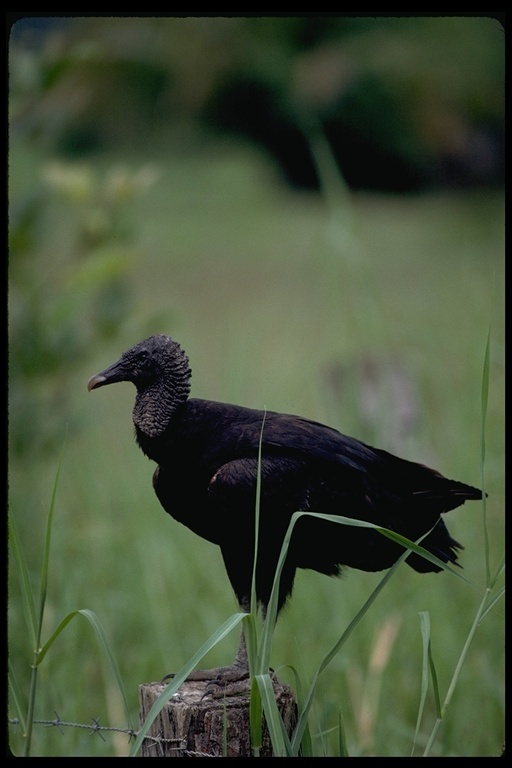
(56, 723)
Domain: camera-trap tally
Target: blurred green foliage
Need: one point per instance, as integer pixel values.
(71, 250)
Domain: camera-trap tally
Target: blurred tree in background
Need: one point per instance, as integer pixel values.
(64, 300)
(406, 103)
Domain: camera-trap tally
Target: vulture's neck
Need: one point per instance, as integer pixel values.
(156, 404)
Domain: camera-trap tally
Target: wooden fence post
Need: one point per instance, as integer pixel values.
(189, 726)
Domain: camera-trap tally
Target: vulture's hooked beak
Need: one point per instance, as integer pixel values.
(96, 381)
(110, 375)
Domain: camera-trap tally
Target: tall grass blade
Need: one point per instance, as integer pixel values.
(435, 685)
(425, 634)
(492, 604)
(254, 602)
(251, 641)
(306, 744)
(487, 602)
(303, 715)
(334, 188)
(281, 746)
(249, 627)
(255, 705)
(342, 740)
(46, 552)
(17, 698)
(499, 570)
(255, 717)
(40, 616)
(484, 404)
(456, 674)
(427, 666)
(181, 676)
(35, 621)
(29, 606)
(102, 639)
(415, 547)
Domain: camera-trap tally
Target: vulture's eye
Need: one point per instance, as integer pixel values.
(142, 362)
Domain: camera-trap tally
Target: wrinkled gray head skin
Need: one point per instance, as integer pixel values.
(159, 369)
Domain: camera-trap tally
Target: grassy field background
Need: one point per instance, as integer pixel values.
(285, 301)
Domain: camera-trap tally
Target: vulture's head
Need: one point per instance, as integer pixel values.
(160, 370)
(158, 357)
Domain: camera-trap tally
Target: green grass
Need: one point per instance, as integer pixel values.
(265, 292)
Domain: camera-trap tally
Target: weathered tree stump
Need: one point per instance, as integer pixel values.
(189, 726)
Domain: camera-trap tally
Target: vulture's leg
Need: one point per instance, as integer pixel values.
(228, 680)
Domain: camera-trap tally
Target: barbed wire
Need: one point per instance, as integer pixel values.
(95, 727)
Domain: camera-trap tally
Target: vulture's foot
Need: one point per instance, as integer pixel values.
(221, 682)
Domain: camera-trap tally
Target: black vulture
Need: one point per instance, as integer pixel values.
(207, 456)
